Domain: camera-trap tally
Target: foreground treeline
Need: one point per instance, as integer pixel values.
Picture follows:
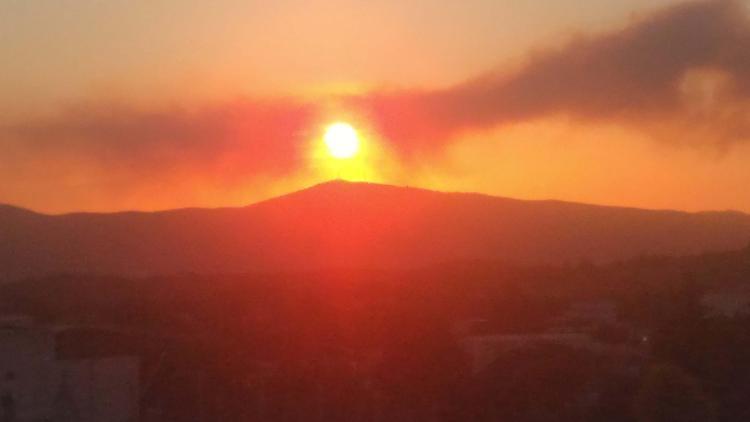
(392, 345)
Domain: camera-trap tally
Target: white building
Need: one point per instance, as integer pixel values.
(37, 385)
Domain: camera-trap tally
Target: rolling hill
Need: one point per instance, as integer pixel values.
(343, 224)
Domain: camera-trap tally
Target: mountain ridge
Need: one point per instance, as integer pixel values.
(342, 182)
(340, 223)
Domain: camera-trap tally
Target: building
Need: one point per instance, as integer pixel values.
(39, 384)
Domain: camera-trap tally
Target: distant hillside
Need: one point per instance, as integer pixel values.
(341, 224)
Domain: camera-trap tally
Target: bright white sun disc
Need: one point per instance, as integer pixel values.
(342, 140)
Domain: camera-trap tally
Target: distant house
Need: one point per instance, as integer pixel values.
(484, 349)
(589, 325)
(38, 383)
(729, 302)
(586, 316)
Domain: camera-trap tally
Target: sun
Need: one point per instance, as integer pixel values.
(342, 140)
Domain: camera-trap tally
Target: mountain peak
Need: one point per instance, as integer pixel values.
(342, 184)
(337, 190)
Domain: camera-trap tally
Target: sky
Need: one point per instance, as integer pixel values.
(144, 105)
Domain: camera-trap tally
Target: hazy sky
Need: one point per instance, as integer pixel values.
(118, 104)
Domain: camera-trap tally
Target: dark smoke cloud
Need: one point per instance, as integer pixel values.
(257, 136)
(638, 75)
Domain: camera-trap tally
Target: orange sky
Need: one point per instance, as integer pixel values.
(151, 105)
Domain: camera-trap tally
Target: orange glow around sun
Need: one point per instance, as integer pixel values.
(349, 149)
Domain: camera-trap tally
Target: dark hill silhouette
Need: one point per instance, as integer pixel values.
(341, 224)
